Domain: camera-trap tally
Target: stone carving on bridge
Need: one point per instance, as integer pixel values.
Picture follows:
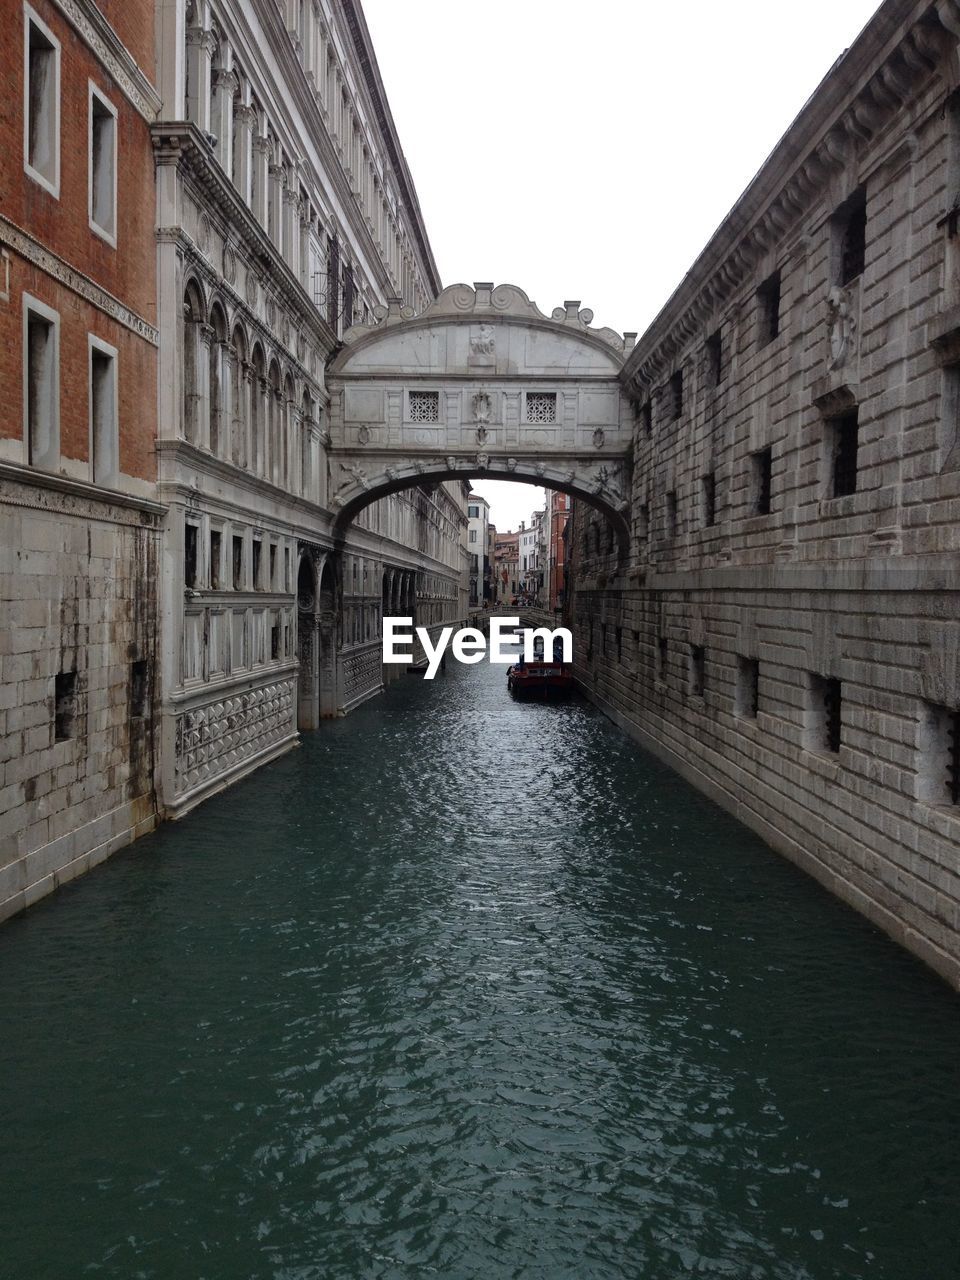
(842, 325)
(363, 435)
(482, 408)
(502, 300)
(482, 434)
(598, 438)
(483, 461)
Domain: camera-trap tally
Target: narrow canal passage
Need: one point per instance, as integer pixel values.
(468, 988)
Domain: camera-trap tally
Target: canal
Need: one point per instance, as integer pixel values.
(468, 988)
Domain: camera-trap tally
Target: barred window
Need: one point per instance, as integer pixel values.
(541, 406)
(424, 406)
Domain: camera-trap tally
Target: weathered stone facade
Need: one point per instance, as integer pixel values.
(79, 523)
(285, 214)
(787, 633)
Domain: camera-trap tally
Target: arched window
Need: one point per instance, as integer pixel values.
(257, 423)
(288, 417)
(306, 460)
(274, 420)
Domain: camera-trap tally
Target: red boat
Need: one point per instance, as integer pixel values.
(539, 679)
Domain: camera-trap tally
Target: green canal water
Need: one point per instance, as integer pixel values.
(469, 988)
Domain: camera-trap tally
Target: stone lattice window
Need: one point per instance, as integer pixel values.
(541, 406)
(424, 406)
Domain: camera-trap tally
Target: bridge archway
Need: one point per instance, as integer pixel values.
(482, 384)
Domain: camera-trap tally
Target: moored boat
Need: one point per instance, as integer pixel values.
(539, 679)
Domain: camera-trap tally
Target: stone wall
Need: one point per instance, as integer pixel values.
(78, 589)
(785, 632)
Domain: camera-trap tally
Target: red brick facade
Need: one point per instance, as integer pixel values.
(61, 225)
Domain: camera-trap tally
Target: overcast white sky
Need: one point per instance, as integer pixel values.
(589, 150)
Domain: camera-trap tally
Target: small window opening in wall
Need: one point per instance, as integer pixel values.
(237, 562)
(849, 238)
(103, 166)
(42, 393)
(710, 499)
(424, 406)
(676, 393)
(643, 521)
(646, 418)
(190, 540)
(768, 299)
(275, 638)
(698, 667)
(257, 564)
(216, 549)
(844, 442)
(826, 713)
(42, 106)
(541, 406)
(661, 658)
(286, 568)
(762, 481)
(672, 513)
(139, 686)
(715, 359)
(273, 566)
(65, 705)
(104, 433)
(603, 639)
(748, 688)
(619, 644)
(940, 776)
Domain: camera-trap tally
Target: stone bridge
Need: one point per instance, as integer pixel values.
(481, 384)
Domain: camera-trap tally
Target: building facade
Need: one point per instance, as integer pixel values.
(481, 566)
(558, 514)
(79, 521)
(785, 632)
(285, 214)
(506, 558)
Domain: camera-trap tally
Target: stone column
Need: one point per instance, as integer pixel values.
(207, 338)
(226, 356)
(245, 407)
(224, 87)
(275, 212)
(244, 117)
(199, 63)
(291, 221)
(261, 440)
(261, 178)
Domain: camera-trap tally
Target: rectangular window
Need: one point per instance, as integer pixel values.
(676, 393)
(190, 539)
(102, 166)
(473, 535)
(762, 463)
(768, 300)
(139, 689)
(709, 483)
(714, 351)
(273, 566)
(424, 406)
(672, 514)
(41, 390)
(940, 762)
(41, 114)
(849, 238)
(646, 416)
(238, 564)
(473, 512)
(824, 720)
(65, 705)
(257, 565)
(216, 551)
(661, 658)
(643, 521)
(747, 701)
(275, 636)
(286, 568)
(104, 428)
(843, 441)
(698, 668)
(541, 406)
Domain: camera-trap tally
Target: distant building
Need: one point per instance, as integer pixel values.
(506, 566)
(480, 562)
(558, 506)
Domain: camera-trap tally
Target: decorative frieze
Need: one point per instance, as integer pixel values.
(215, 738)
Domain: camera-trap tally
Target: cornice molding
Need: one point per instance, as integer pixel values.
(65, 496)
(894, 58)
(101, 39)
(46, 260)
